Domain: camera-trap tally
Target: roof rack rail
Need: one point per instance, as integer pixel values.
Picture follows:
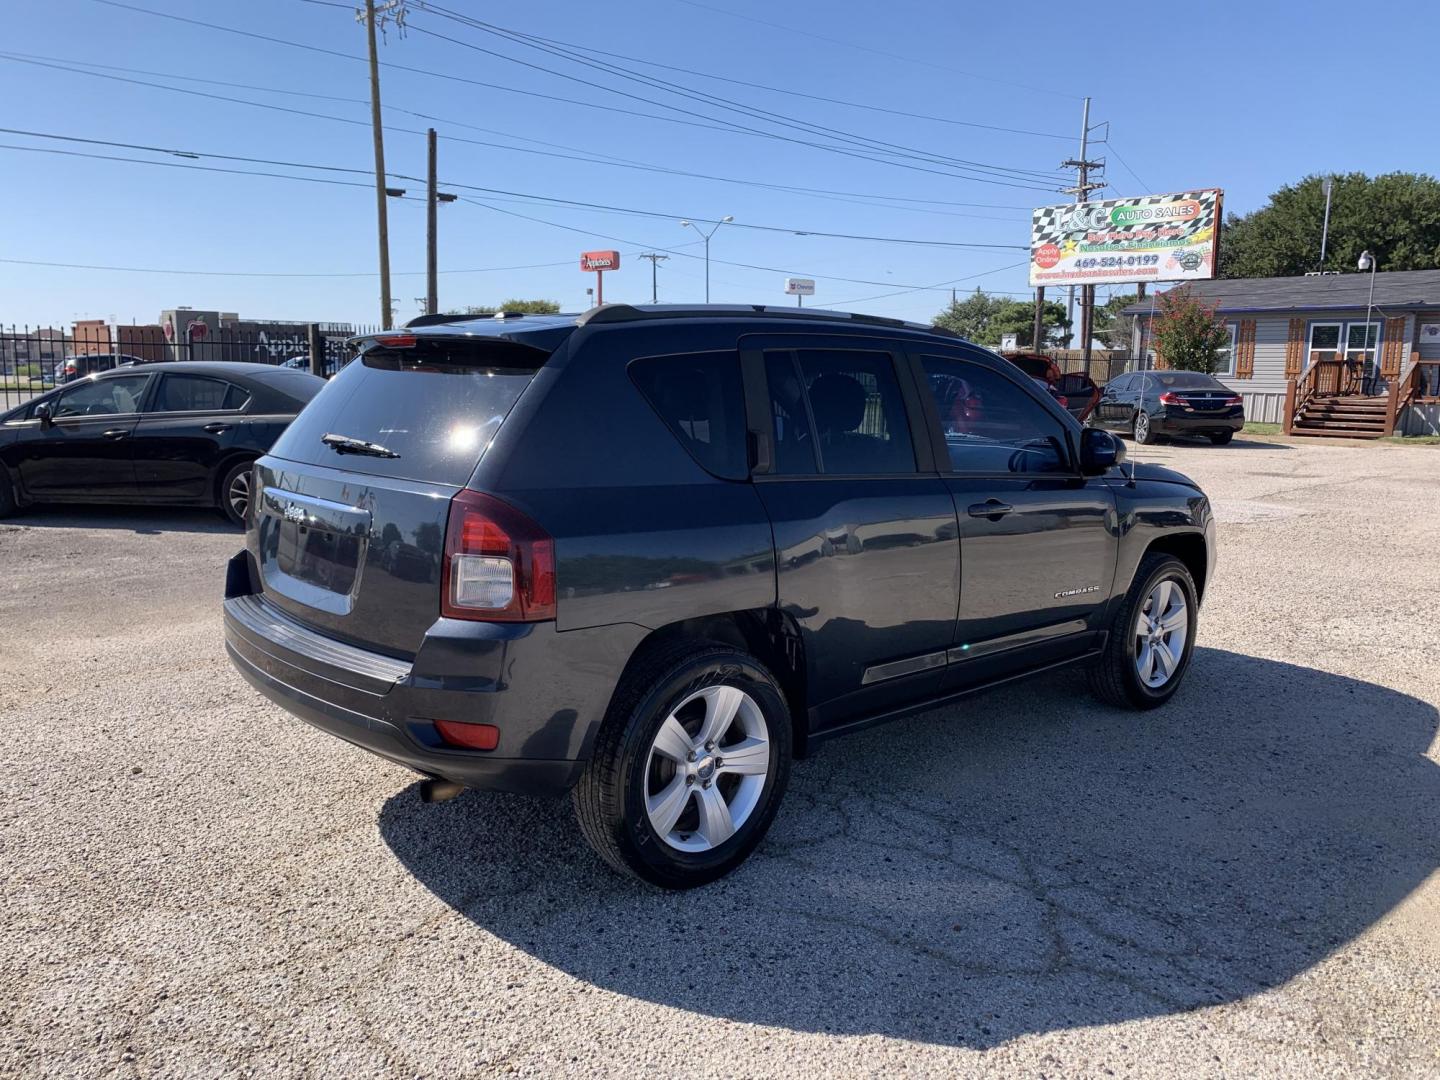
(614, 313)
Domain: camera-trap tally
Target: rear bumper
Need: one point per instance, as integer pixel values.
(1195, 425)
(546, 691)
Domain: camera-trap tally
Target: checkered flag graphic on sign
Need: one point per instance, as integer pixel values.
(1056, 224)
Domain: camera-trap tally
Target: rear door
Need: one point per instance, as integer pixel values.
(351, 542)
(85, 453)
(867, 561)
(188, 426)
(1113, 409)
(1037, 540)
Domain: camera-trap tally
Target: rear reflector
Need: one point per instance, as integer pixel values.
(468, 736)
(499, 565)
(396, 341)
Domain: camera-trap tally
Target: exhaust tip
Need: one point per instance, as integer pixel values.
(438, 791)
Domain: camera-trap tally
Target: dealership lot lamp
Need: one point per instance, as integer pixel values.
(1369, 262)
(712, 232)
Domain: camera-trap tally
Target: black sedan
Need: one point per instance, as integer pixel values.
(1150, 404)
(177, 434)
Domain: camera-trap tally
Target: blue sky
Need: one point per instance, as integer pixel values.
(1242, 96)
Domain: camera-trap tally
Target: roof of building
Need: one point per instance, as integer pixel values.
(1407, 289)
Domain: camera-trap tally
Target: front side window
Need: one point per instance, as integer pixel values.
(103, 397)
(991, 424)
(701, 401)
(838, 411)
(195, 393)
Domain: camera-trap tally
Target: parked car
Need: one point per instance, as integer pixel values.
(177, 434)
(302, 363)
(1153, 404)
(1076, 391)
(649, 555)
(78, 366)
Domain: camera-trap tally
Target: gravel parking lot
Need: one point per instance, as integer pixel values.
(1241, 884)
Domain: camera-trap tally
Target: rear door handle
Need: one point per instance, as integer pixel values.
(114, 433)
(993, 509)
(216, 429)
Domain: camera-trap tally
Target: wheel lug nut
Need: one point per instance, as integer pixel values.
(709, 746)
(690, 756)
(689, 780)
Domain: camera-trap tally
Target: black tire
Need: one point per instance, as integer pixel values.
(7, 496)
(610, 797)
(1144, 431)
(237, 474)
(1114, 677)
(1221, 438)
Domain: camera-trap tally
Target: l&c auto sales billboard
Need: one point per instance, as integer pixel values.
(1115, 241)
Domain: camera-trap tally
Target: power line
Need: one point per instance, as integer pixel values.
(553, 200)
(878, 52)
(787, 91)
(736, 128)
(586, 156)
(1111, 147)
(708, 121)
(277, 274)
(754, 112)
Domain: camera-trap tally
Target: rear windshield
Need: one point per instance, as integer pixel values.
(435, 407)
(1185, 380)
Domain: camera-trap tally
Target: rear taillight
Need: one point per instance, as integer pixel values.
(499, 565)
(1168, 398)
(1234, 399)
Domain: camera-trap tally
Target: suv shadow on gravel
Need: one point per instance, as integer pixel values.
(1023, 862)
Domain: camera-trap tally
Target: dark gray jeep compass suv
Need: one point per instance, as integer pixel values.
(651, 554)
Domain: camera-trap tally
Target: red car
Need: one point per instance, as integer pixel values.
(1076, 392)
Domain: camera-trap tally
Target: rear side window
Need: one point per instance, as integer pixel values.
(840, 408)
(435, 407)
(700, 399)
(195, 393)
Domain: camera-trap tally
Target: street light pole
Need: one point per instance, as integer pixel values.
(727, 218)
(1368, 262)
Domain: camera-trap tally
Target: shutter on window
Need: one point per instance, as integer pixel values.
(1245, 349)
(1391, 351)
(1295, 349)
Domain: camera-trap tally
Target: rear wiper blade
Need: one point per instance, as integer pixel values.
(344, 444)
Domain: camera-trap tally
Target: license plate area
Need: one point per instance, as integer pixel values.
(312, 550)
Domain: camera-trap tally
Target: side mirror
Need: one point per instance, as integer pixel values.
(1099, 451)
(44, 414)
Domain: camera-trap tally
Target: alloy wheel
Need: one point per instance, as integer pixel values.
(707, 768)
(1161, 628)
(238, 494)
(1142, 426)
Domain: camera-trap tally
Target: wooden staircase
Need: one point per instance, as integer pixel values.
(1353, 416)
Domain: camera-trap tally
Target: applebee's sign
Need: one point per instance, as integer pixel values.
(600, 260)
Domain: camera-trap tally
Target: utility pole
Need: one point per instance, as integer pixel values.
(377, 133)
(1037, 340)
(432, 287)
(433, 198)
(1081, 191)
(655, 260)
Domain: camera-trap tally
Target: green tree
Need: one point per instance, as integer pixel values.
(1111, 328)
(528, 307)
(984, 319)
(1187, 335)
(1395, 216)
